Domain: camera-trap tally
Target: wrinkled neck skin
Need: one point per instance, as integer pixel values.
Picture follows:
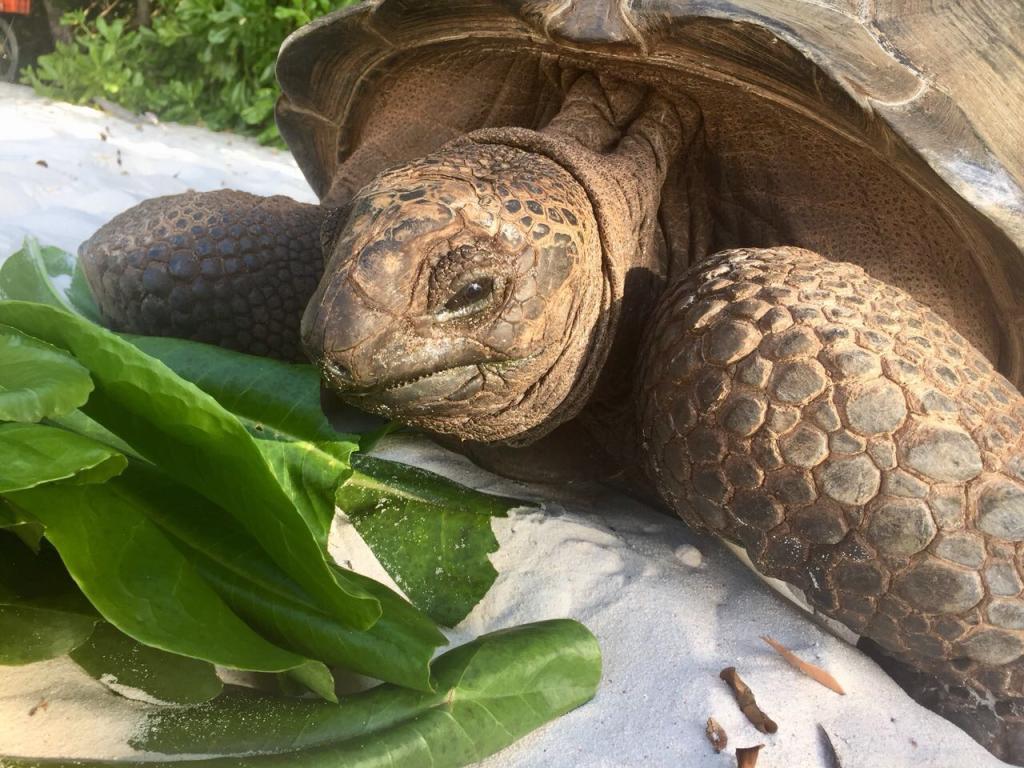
(491, 290)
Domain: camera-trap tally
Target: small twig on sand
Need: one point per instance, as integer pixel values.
(43, 704)
(748, 704)
(814, 672)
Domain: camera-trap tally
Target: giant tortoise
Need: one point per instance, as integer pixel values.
(758, 259)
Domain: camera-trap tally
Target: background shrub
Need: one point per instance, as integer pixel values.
(208, 62)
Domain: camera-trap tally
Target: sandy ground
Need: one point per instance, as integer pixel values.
(670, 609)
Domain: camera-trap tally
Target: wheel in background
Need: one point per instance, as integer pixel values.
(8, 52)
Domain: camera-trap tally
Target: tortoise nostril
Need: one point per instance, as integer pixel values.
(338, 373)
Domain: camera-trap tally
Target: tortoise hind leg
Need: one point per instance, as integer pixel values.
(856, 446)
(223, 267)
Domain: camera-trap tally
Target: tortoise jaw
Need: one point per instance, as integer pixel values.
(416, 394)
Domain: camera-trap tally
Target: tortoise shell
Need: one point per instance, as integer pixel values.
(903, 107)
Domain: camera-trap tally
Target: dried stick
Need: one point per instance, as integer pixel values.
(748, 704)
(814, 672)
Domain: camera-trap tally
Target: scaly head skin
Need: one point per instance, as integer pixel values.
(462, 295)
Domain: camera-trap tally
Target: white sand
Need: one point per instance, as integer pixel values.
(670, 609)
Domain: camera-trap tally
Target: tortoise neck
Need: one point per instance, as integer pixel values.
(596, 112)
(617, 140)
(620, 139)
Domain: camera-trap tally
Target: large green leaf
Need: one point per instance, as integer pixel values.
(276, 400)
(34, 454)
(432, 535)
(37, 380)
(190, 437)
(21, 524)
(398, 648)
(142, 584)
(30, 633)
(120, 662)
(490, 692)
(42, 613)
(280, 406)
(28, 275)
(78, 422)
(310, 473)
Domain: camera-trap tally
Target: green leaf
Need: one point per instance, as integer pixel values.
(189, 436)
(42, 614)
(26, 274)
(274, 399)
(21, 524)
(80, 296)
(310, 473)
(33, 454)
(140, 582)
(37, 380)
(280, 405)
(29, 274)
(30, 633)
(432, 535)
(490, 692)
(79, 423)
(120, 662)
(398, 648)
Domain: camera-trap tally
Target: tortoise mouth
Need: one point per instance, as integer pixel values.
(384, 388)
(423, 392)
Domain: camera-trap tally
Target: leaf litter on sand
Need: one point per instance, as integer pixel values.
(716, 735)
(814, 672)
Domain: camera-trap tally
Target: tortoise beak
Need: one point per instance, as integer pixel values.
(338, 332)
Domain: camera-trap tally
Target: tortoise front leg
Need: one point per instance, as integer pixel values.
(223, 267)
(856, 446)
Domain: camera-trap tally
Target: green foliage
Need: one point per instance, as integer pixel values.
(164, 507)
(29, 275)
(42, 614)
(115, 659)
(37, 454)
(489, 693)
(209, 62)
(225, 471)
(440, 558)
(197, 443)
(37, 380)
(433, 536)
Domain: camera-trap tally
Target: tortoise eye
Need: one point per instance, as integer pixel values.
(471, 294)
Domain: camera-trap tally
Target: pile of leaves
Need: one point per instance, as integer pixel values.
(165, 507)
(205, 62)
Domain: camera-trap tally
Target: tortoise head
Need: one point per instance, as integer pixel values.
(462, 295)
